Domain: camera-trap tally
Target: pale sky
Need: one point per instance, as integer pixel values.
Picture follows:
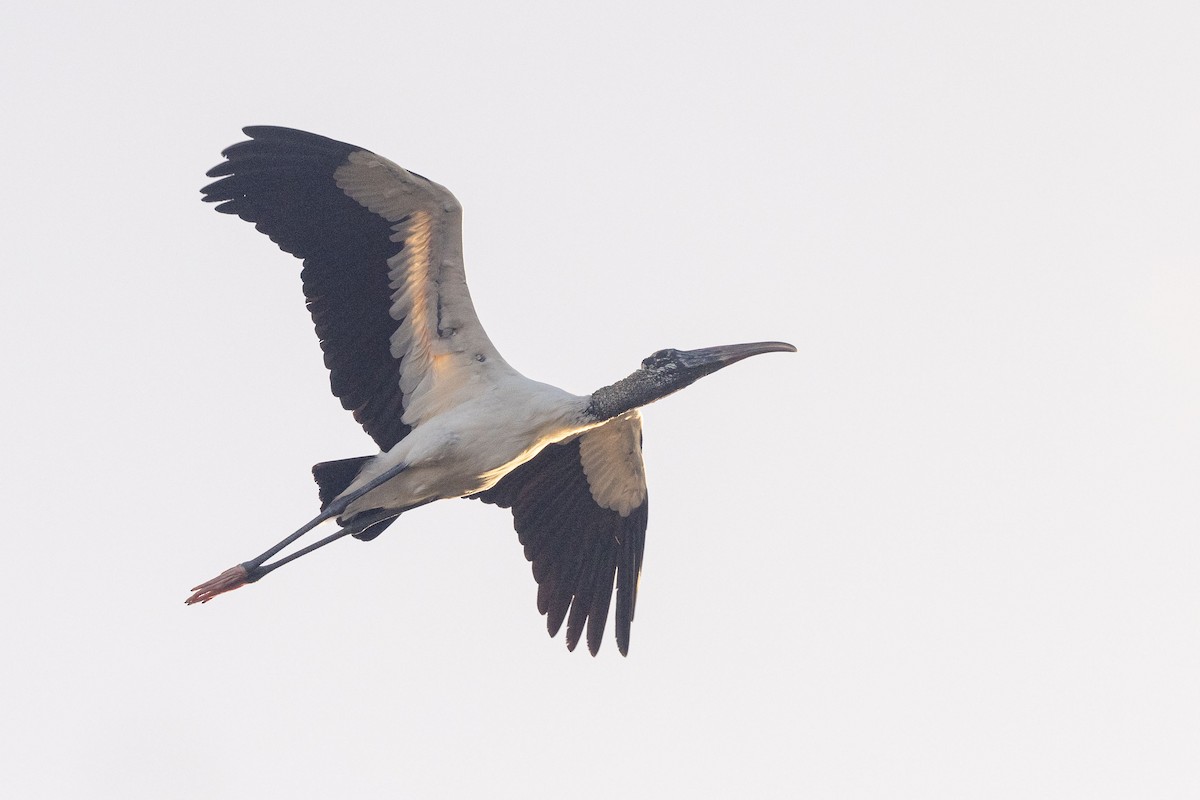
(948, 550)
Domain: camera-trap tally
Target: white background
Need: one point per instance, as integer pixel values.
(947, 550)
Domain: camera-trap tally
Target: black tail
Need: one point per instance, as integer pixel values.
(334, 477)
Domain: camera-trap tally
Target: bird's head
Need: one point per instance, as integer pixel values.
(669, 371)
(673, 369)
(665, 372)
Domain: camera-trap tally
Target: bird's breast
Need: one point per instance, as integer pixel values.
(467, 450)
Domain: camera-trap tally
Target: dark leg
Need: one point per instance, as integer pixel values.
(250, 571)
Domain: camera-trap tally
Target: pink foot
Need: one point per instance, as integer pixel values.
(227, 581)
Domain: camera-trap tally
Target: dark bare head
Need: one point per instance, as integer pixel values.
(667, 371)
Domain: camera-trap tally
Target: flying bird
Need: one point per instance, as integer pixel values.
(383, 279)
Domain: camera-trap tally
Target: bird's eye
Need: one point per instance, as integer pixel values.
(659, 359)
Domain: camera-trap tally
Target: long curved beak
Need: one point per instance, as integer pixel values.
(717, 357)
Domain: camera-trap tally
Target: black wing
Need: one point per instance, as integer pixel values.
(579, 548)
(382, 274)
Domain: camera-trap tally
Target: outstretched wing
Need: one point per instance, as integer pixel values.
(383, 270)
(580, 510)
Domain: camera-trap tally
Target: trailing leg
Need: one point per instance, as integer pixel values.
(250, 571)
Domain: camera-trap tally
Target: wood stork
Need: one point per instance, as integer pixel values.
(383, 279)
